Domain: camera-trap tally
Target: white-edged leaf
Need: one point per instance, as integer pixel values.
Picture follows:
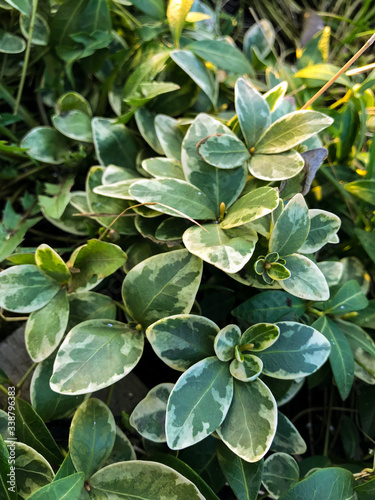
(223, 151)
(225, 342)
(163, 168)
(323, 227)
(247, 370)
(280, 473)
(287, 438)
(169, 136)
(276, 167)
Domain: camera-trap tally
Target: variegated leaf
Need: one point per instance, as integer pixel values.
(169, 135)
(218, 185)
(119, 190)
(260, 336)
(198, 403)
(182, 340)
(67, 488)
(223, 151)
(51, 264)
(299, 351)
(148, 417)
(95, 354)
(163, 168)
(250, 424)
(323, 226)
(280, 473)
(146, 123)
(229, 250)
(114, 143)
(276, 167)
(225, 342)
(287, 438)
(122, 449)
(89, 305)
(274, 96)
(162, 285)
(247, 370)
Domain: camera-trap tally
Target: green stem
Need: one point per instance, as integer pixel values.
(4, 390)
(27, 57)
(25, 377)
(371, 159)
(328, 428)
(315, 311)
(110, 394)
(7, 96)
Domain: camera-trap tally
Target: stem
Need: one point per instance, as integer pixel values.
(4, 390)
(110, 394)
(24, 378)
(371, 159)
(320, 408)
(326, 440)
(7, 96)
(315, 311)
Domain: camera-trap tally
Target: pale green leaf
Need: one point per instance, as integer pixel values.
(119, 190)
(170, 136)
(223, 151)
(23, 6)
(145, 92)
(323, 227)
(73, 101)
(11, 44)
(176, 14)
(247, 370)
(163, 167)
(41, 30)
(275, 96)
(259, 337)
(146, 124)
(222, 54)
(46, 145)
(225, 342)
(74, 124)
(276, 167)
(51, 264)
(280, 473)
(67, 488)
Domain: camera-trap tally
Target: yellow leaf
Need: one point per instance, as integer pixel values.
(176, 14)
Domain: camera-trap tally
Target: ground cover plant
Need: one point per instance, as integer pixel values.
(180, 202)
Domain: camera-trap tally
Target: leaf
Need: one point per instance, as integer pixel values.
(341, 357)
(290, 130)
(114, 143)
(182, 340)
(169, 135)
(270, 306)
(66, 21)
(323, 227)
(331, 482)
(261, 36)
(247, 370)
(46, 145)
(9, 241)
(148, 91)
(148, 417)
(198, 72)
(223, 151)
(8, 489)
(122, 450)
(251, 206)
(51, 264)
(163, 168)
(194, 414)
(291, 228)
(366, 490)
(31, 430)
(73, 101)
(142, 479)
(261, 336)
(49, 404)
(275, 96)
(347, 299)
(146, 125)
(81, 364)
(119, 190)
(365, 190)
(299, 351)
(276, 167)
(280, 473)
(45, 328)
(32, 470)
(322, 73)
(92, 436)
(54, 206)
(176, 195)
(356, 336)
(96, 258)
(225, 342)
(306, 280)
(229, 250)
(252, 110)
(23, 6)
(177, 11)
(243, 477)
(250, 424)
(74, 124)
(153, 8)
(11, 44)
(222, 54)
(218, 185)
(90, 305)
(67, 488)
(25, 289)
(367, 240)
(365, 317)
(287, 438)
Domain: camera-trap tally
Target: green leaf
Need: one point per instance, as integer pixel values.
(49, 404)
(51, 264)
(280, 473)
(366, 317)
(357, 337)
(327, 483)
(364, 189)
(8, 489)
(247, 370)
(46, 145)
(114, 143)
(73, 101)
(229, 250)
(218, 185)
(223, 151)
(67, 488)
(341, 357)
(287, 438)
(261, 336)
(145, 92)
(146, 124)
(182, 340)
(323, 227)
(291, 228)
(366, 491)
(367, 240)
(74, 124)
(290, 130)
(276, 167)
(31, 430)
(306, 280)
(251, 206)
(275, 96)
(92, 436)
(11, 44)
(176, 14)
(321, 73)
(163, 167)
(46, 327)
(299, 351)
(194, 414)
(195, 68)
(164, 284)
(221, 54)
(260, 36)
(41, 30)
(25, 289)
(54, 206)
(148, 417)
(9, 241)
(176, 195)
(23, 6)
(153, 8)
(243, 477)
(122, 449)
(119, 190)
(96, 258)
(270, 306)
(278, 272)
(169, 135)
(81, 364)
(347, 299)
(252, 110)
(250, 424)
(32, 470)
(66, 21)
(225, 342)
(90, 305)
(142, 479)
